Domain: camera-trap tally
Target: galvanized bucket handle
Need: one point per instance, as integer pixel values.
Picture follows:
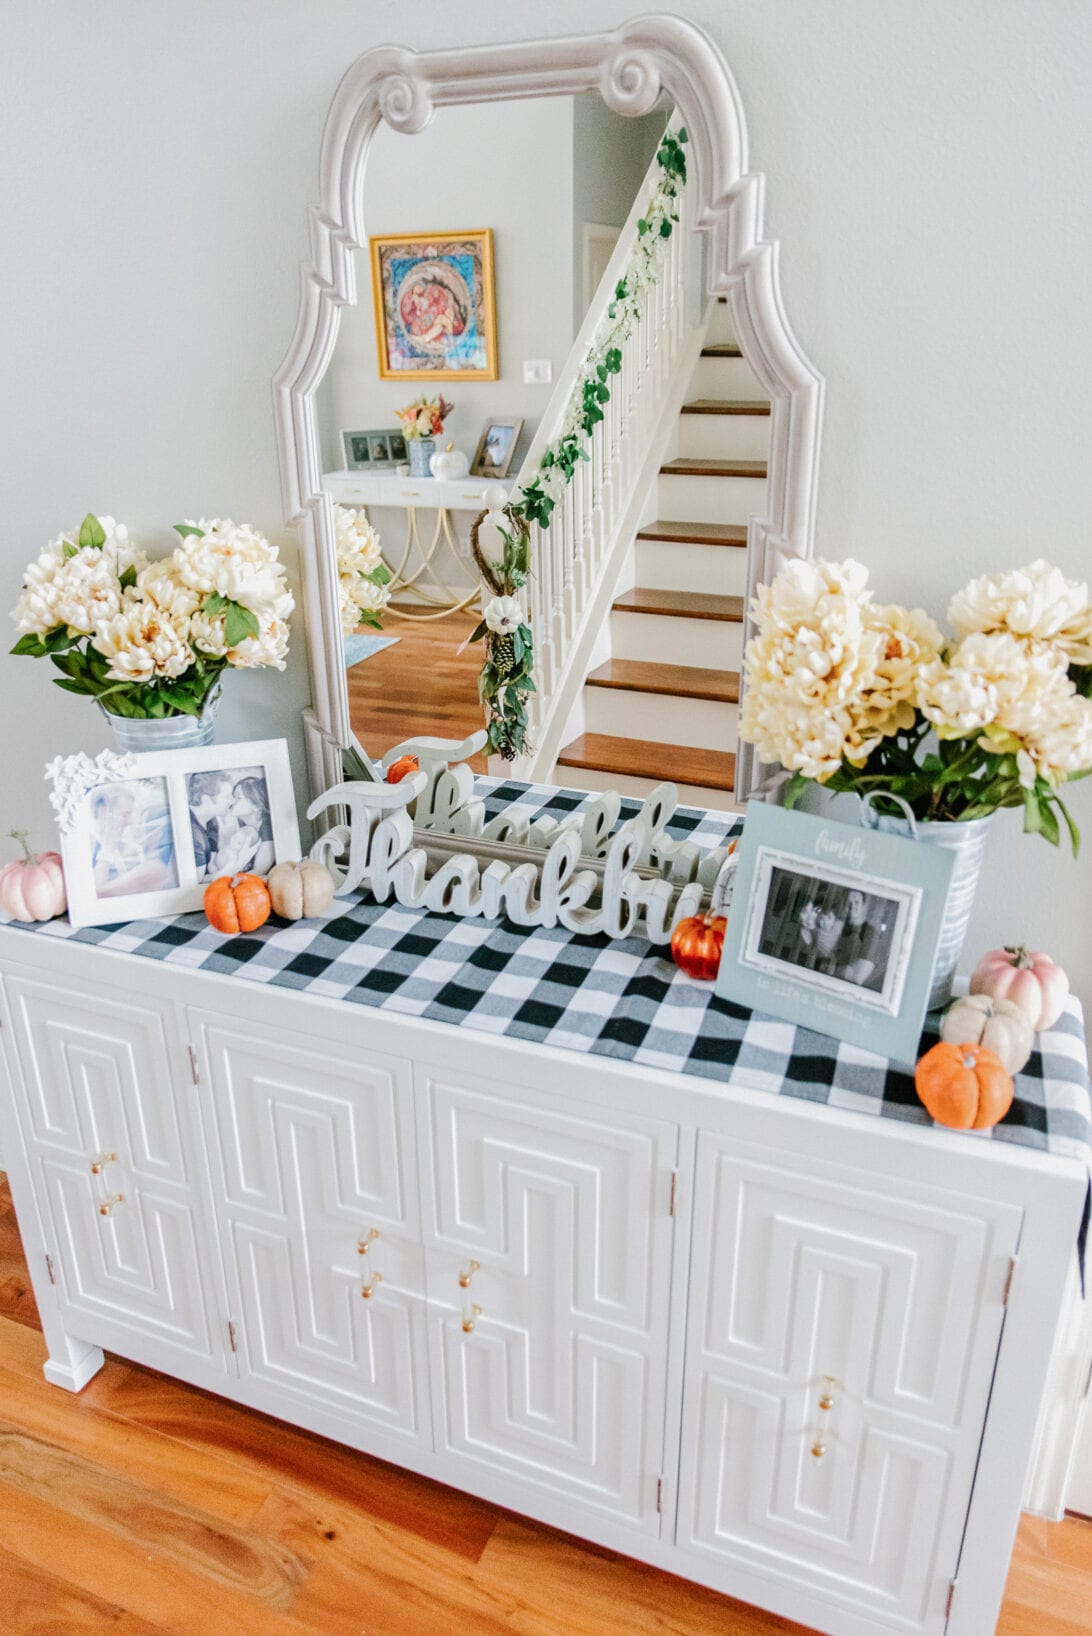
(870, 818)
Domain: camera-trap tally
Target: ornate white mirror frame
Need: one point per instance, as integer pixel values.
(631, 68)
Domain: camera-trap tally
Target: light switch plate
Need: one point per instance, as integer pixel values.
(537, 371)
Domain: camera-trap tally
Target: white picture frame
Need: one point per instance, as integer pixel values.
(143, 835)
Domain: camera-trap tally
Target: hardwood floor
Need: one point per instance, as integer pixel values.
(420, 685)
(142, 1506)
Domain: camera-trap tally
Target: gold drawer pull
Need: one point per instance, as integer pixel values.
(108, 1199)
(818, 1449)
(367, 1289)
(363, 1245)
(470, 1318)
(826, 1404)
(466, 1273)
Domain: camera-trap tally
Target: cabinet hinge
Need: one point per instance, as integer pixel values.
(194, 1073)
(674, 1192)
(952, 1583)
(1008, 1281)
(232, 1336)
(49, 1269)
(660, 1494)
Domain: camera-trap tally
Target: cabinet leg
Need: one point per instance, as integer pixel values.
(72, 1364)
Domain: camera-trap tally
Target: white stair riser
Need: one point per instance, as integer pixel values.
(723, 378)
(711, 499)
(690, 795)
(666, 639)
(719, 324)
(670, 565)
(660, 718)
(723, 437)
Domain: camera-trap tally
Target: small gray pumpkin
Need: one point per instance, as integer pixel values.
(298, 890)
(999, 1025)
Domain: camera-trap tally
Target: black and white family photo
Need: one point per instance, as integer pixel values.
(830, 928)
(230, 822)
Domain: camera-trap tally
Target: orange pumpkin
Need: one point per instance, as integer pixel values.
(964, 1086)
(237, 903)
(402, 768)
(697, 944)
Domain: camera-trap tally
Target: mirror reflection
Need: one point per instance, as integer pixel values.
(489, 233)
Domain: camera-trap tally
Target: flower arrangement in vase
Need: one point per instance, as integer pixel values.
(938, 732)
(422, 423)
(875, 700)
(362, 575)
(507, 674)
(149, 640)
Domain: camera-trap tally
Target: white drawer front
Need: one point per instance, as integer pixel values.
(132, 1235)
(812, 1288)
(560, 1381)
(318, 1206)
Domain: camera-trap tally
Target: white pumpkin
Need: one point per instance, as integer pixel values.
(299, 890)
(1000, 1025)
(450, 465)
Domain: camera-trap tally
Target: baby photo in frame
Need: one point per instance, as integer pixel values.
(835, 927)
(142, 836)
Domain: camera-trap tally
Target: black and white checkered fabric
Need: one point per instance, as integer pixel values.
(622, 999)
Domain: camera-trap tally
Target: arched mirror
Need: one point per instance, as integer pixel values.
(539, 290)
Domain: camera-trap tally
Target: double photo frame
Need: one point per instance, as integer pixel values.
(143, 835)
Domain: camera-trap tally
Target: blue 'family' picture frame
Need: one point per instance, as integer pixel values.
(835, 927)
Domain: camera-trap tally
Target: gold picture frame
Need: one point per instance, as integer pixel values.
(435, 306)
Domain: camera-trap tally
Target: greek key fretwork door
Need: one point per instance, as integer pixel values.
(318, 1189)
(548, 1246)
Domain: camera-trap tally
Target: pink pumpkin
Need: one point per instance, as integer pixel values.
(1031, 981)
(32, 888)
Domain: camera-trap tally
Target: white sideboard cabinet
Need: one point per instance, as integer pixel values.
(789, 1352)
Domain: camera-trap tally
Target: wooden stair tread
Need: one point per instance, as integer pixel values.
(683, 533)
(636, 758)
(689, 466)
(726, 406)
(687, 604)
(721, 349)
(676, 681)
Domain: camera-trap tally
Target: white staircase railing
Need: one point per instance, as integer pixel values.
(576, 559)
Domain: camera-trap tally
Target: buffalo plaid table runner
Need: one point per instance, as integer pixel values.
(623, 999)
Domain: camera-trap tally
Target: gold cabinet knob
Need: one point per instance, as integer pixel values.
(466, 1273)
(367, 1289)
(826, 1403)
(98, 1164)
(470, 1318)
(363, 1245)
(818, 1450)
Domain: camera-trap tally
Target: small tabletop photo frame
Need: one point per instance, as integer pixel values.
(835, 928)
(143, 835)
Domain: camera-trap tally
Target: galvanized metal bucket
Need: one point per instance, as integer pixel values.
(967, 841)
(132, 734)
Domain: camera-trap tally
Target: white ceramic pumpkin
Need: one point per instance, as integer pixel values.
(299, 890)
(1032, 981)
(450, 465)
(32, 888)
(999, 1025)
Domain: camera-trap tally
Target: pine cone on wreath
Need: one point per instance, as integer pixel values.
(504, 655)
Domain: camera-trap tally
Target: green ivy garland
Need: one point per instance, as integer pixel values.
(506, 677)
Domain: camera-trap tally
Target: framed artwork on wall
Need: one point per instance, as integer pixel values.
(835, 927)
(496, 446)
(144, 835)
(435, 313)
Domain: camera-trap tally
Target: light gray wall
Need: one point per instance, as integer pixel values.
(613, 159)
(927, 175)
(468, 169)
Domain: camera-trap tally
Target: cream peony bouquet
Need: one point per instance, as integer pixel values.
(861, 697)
(424, 417)
(362, 575)
(149, 639)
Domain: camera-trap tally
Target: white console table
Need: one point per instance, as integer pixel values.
(414, 494)
(545, 1220)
